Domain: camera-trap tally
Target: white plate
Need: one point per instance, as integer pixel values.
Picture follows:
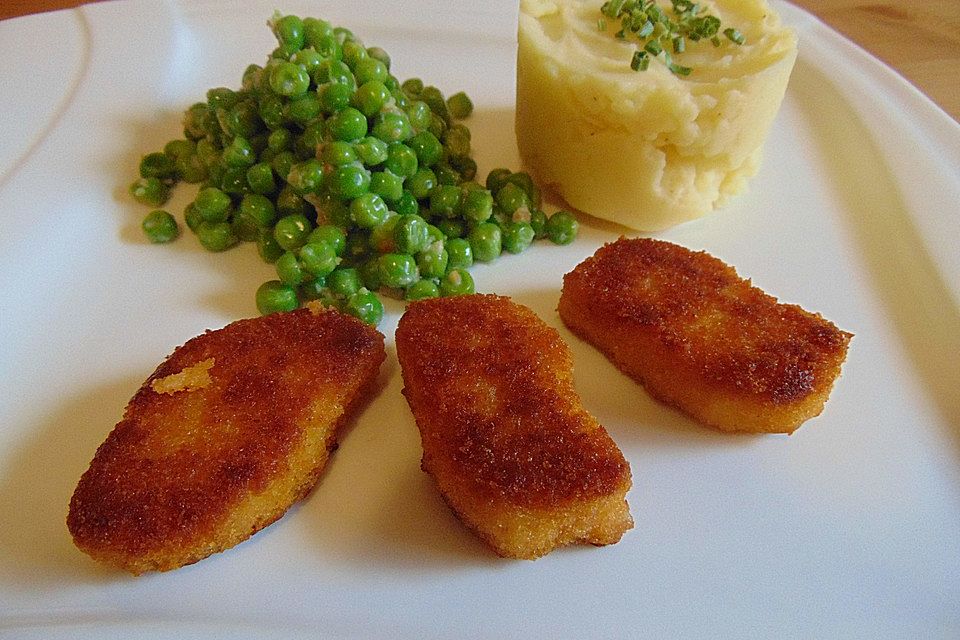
(849, 528)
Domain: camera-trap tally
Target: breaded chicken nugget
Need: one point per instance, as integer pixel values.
(702, 339)
(504, 435)
(232, 429)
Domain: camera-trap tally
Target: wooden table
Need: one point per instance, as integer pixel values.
(918, 38)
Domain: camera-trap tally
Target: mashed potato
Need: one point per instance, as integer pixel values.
(647, 149)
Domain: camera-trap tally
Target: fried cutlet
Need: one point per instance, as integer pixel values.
(504, 434)
(231, 430)
(701, 338)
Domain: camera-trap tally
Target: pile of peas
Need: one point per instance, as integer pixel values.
(348, 181)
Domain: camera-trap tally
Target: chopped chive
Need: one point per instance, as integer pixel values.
(654, 47)
(734, 35)
(654, 28)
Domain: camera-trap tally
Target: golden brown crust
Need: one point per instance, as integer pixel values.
(702, 338)
(193, 472)
(504, 434)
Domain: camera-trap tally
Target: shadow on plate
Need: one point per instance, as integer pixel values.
(374, 509)
(905, 278)
(38, 485)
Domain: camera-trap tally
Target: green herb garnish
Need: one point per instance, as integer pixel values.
(654, 29)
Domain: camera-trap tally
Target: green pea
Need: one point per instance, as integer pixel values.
(259, 208)
(316, 289)
(460, 105)
(273, 296)
(177, 149)
(234, 180)
(267, 246)
(379, 54)
(457, 282)
(465, 166)
(412, 87)
(309, 59)
(386, 185)
(497, 178)
(289, 31)
(315, 30)
(422, 290)
(305, 146)
(420, 115)
(366, 306)
(290, 270)
(150, 191)
(485, 241)
(432, 260)
(523, 180)
(517, 237)
(370, 273)
(221, 98)
(306, 177)
(289, 79)
(190, 168)
(335, 72)
(251, 77)
(410, 234)
(562, 227)
(334, 97)
(303, 109)
(216, 236)
(260, 178)
(213, 204)
(444, 201)
(370, 69)
(538, 221)
(158, 165)
(160, 227)
(318, 258)
(477, 205)
(460, 254)
(331, 235)
(370, 97)
(446, 174)
(434, 97)
(397, 270)
(347, 124)
(392, 127)
(427, 147)
(282, 163)
(344, 281)
(328, 46)
(353, 53)
(452, 227)
(372, 151)
(193, 119)
(289, 202)
(291, 231)
(401, 160)
(239, 153)
(510, 197)
(407, 204)
(349, 181)
(270, 109)
(242, 119)
(368, 210)
(280, 139)
(422, 182)
(192, 217)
